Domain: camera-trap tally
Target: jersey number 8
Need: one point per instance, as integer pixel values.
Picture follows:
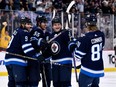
(96, 52)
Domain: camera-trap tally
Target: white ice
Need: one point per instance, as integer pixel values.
(109, 80)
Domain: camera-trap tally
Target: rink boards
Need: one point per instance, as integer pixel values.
(108, 57)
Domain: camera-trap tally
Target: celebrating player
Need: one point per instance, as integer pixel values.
(89, 50)
(61, 55)
(17, 65)
(39, 37)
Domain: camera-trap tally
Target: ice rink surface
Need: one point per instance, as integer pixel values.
(109, 80)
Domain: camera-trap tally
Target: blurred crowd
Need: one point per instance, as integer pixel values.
(12, 10)
(100, 6)
(26, 5)
(92, 6)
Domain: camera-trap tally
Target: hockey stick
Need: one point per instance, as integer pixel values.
(74, 62)
(44, 76)
(58, 64)
(69, 18)
(68, 12)
(70, 5)
(18, 55)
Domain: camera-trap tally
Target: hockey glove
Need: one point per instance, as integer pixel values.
(39, 57)
(72, 45)
(34, 42)
(47, 52)
(43, 45)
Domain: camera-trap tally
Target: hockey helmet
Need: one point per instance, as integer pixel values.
(91, 20)
(56, 20)
(24, 20)
(41, 19)
(27, 20)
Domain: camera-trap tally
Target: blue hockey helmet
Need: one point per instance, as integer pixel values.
(91, 20)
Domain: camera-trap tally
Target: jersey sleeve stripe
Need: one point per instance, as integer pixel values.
(39, 41)
(28, 50)
(77, 56)
(26, 45)
(70, 45)
(79, 52)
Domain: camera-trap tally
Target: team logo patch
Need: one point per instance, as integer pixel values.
(55, 47)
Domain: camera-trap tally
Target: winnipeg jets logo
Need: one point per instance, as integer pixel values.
(55, 47)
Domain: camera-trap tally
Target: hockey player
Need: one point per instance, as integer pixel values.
(39, 37)
(89, 50)
(60, 54)
(17, 65)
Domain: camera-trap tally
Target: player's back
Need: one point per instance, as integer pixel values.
(92, 46)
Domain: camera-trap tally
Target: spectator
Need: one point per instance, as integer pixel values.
(106, 7)
(48, 6)
(24, 4)
(30, 4)
(16, 5)
(114, 7)
(97, 6)
(40, 6)
(2, 4)
(5, 38)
